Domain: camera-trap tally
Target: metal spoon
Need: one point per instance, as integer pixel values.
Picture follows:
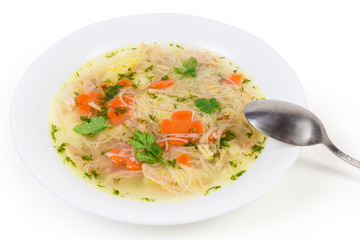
(291, 124)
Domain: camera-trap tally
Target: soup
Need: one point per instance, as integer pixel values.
(156, 122)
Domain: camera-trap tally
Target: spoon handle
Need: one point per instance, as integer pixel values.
(341, 154)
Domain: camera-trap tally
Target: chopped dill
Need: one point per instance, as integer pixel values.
(211, 189)
(54, 129)
(61, 148)
(87, 158)
(237, 175)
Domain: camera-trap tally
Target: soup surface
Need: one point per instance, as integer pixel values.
(156, 122)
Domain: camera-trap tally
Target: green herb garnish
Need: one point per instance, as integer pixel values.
(166, 77)
(232, 164)
(152, 117)
(149, 69)
(148, 199)
(110, 92)
(129, 75)
(111, 54)
(249, 134)
(54, 129)
(207, 106)
(237, 175)
(211, 189)
(246, 80)
(69, 160)
(61, 148)
(189, 68)
(226, 138)
(87, 158)
(151, 151)
(105, 151)
(94, 126)
(120, 110)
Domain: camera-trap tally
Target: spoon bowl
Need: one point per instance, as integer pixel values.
(292, 124)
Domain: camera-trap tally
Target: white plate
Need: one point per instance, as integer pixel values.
(29, 113)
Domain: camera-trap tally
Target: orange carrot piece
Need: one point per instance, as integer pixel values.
(128, 99)
(85, 108)
(133, 166)
(212, 138)
(82, 98)
(117, 160)
(196, 127)
(162, 84)
(166, 126)
(161, 144)
(117, 118)
(235, 79)
(180, 126)
(116, 102)
(184, 115)
(126, 82)
(101, 85)
(183, 159)
(179, 142)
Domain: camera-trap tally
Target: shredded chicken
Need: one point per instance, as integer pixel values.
(153, 175)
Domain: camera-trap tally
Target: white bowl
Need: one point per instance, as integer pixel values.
(30, 106)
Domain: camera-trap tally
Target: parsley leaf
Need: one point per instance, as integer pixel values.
(207, 106)
(189, 68)
(147, 142)
(94, 126)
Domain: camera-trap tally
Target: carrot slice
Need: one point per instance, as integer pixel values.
(180, 126)
(183, 159)
(126, 82)
(212, 138)
(166, 126)
(179, 142)
(117, 118)
(196, 127)
(162, 84)
(101, 85)
(84, 99)
(116, 102)
(161, 144)
(117, 160)
(235, 79)
(128, 99)
(184, 115)
(133, 166)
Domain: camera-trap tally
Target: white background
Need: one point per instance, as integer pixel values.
(319, 198)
